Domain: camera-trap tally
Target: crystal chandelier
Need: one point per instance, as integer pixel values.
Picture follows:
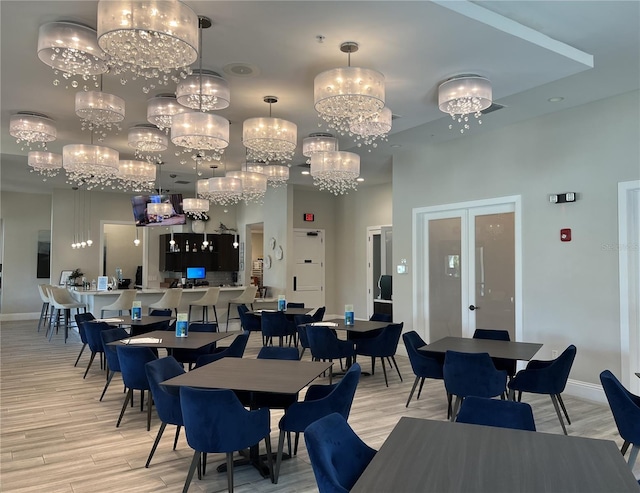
(99, 111)
(368, 129)
(72, 51)
(204, 90)
(270, 139)
(196, 205)
(48, 164)
(161, 110)
(335, 171)
(277, 174)
(159, 208)
(136, 175)
(32, 128)
(342, 95)
(148, 141)
(254, 185)
(148, 38)
(91, 165)
(221, 190)
(318, 142)
(464, 95)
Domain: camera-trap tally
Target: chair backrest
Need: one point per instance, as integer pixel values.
(170, 299)
(92, 332)
(44, 295)
(300, 321)
(160, 312)
(248, 321)
(327, 439)
(166, 398)
(80, 319)
(210, 297)
(124, 301)
(498, 413)
(423, 364)
(61, 296)
(381, 317)
(274, 324)
(556, 371)
(493, 334)
(323, 342)
(216, 422)
(203, 327)
(384, 344)
(275, 352)
(110, 352)
(293, 304)
(247, 296)
(467, 374)
(132, 361)
(235, 350)
(319, 314)
(624, 406)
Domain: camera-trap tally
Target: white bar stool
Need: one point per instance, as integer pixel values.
(209, 298)
(169, 301)
(124, 302)
(246, 298)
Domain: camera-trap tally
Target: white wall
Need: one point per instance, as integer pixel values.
(570, 290)
(278, 221)
(121, 251)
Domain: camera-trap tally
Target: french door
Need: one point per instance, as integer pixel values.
(467, 259)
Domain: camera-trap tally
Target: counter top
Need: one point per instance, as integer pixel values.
(199, 289)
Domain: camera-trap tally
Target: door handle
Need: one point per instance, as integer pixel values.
(473, 307)
(295, 283)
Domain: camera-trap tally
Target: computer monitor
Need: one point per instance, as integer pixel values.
(385, 287)
(196, 273)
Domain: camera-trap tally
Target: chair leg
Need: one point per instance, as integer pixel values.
(205, 314)
(44, 310)
(124, 406)
(189, 314)
(413, 389)
(393, 359)
(456, 407)
(279, 456)
(192, 469)
(155, 443)
(373, 365)
(106, 385)
(149, 406)
(295, 443)
(555, 404)
(93, 355)
(267, 443)
(175, 440)
(633, 455)
(81, 350)
(449, 399)
(564, 408)
(420, 389)
(215, 314)
(624, 448)
(228, 315)
(230, 471)
(384, 370)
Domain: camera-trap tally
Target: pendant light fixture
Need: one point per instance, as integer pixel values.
(48, 164)
(203, 90)
(195, 205)
(99, 111)
(161, 110)
(335, 171)
(366, 130)
(270, 139)
(159, 208)
(318, 142)
(136, 175)
(465, 95)
(32, 129)
(90, 165)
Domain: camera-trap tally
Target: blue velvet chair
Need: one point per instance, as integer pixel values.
(249, 321)
(94, 341)
(338, 456)
(471, 374)
(318, 315)
(165, 398)
(384, 345)
(111, 353)
(319, 401)
(235, 350)
(509, 365)
(625, 408)
(190, 356)
(80, 318)
(546, 377)
(300, 322)
(132, 366)
(274, 324)
(424, 365)
(325, 345)
(216, 422)
(499, 413)
(381, 317)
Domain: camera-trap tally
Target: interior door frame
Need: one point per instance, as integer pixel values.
(371, 231)
(420, 255)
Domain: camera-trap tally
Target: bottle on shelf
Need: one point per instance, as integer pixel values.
(186, 249)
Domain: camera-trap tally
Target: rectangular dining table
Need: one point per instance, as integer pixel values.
(289, 312)
(252, 375)
(137, 326)
(497, 349)
(358, 327)
(426, 455)
(167, 339)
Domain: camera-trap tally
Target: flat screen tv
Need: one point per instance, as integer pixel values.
(196, 273)
(142, 216)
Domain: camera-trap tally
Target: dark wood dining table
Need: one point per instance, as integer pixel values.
(497, 349)
(426, 455)
(253, 375)
(289, 312)
(358, 327)
(167, 339)
(137, 326)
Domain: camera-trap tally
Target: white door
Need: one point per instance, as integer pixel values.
(308, 270)
(467, 260)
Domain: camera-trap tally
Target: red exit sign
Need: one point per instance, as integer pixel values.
(309, 217)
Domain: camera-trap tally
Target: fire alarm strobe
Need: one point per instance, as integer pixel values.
(565, 234)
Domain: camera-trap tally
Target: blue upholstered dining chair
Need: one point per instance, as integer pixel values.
(301, 322)
(190, 356)
(235, 350)
(165, 398)
(338, 456)
(319, 401)
(94, 341)
(381, 317)
(625, 408)
(325, 345)
(216, 422)
(509, 365)
(132, 361)
(111, 353)
(318, 315)
(274, 324)
(80, 318)
(546, 377)
(249, 321)
(384, 345)
(499, 413)
(424, 365)
(471, 374)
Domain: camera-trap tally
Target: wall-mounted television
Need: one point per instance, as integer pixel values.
(142, 216)
(196, 273)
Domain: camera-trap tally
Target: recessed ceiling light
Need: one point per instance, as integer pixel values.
(360, 179)
(395, 146)
(305, 172)
(556, 99)
(241, 70)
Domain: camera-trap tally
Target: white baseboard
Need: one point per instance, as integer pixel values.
(12, 317)
(585, 390)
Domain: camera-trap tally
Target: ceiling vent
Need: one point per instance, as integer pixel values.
(492, 108)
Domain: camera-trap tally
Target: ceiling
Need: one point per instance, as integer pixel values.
(531, 51)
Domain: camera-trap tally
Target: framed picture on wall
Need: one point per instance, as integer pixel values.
(64, 277)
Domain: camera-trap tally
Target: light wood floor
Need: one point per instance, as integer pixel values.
(57, 437)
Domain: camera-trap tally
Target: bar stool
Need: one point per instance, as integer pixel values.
(44, 296)
(209, 298)
(124, 302)
(170, 300)
(246, 298)
(62, 301)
